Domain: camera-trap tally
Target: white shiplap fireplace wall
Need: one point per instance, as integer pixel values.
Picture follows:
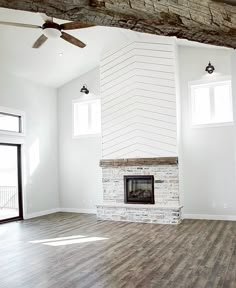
(139, 99)
(139, 118)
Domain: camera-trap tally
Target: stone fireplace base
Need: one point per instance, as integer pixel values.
(139, 213)
(167, 208)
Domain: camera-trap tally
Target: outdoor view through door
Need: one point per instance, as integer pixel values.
(10, 183)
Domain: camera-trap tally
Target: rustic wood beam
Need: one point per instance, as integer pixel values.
(139, 162)
(205, 21)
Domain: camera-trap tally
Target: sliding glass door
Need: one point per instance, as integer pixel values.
(10, 183)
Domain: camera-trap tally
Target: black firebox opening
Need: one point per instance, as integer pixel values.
(139, 189)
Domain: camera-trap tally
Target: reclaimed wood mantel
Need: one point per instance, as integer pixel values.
(206, 21)
(139, 162)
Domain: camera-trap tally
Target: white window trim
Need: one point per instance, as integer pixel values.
(13, 112)
(85, 98)
(208, 82)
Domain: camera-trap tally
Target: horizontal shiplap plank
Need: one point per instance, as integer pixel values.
(154, 60)
(148, 38)
(154, 53)
(138, 56)
(153, 64)
(137, 154)
(111, 114)
(109, 142)
(126, 100)
(129, 149)
(132, 97)
(155, 87)
(152, 117)
(110, 134)
(131, 70)
(154, 67)
(142, 83)
(164, 118)
(146, 120)
(147, 142)
(132, 91)
(139, 77)
(141, 140)
(131, 51)
(118, 71)
(154, 46)
(164, 44)
(132, 147)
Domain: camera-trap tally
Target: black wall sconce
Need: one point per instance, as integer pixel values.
(210, 68)
(84, 89)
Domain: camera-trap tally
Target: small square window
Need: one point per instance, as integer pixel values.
(211, 103)
(10, 123)
(86, 117)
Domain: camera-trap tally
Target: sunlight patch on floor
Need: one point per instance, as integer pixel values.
(60, 241)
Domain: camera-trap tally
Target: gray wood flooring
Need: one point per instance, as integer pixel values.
(196, 253)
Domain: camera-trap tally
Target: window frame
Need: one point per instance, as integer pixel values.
(209, 83)
(17, 114)
(87, 98)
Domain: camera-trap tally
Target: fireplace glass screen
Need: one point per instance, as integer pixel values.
(139, 189)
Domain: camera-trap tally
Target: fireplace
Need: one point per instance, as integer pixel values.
(121, 179)
(139, 189)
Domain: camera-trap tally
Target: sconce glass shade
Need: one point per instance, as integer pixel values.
(210, 68)
(84, 89)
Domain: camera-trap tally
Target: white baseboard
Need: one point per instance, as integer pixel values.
(93, 211)
(75, 210)
(41, 213)
(210, 217)
(51, 211)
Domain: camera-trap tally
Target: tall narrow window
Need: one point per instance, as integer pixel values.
(86, 117)
(212, 103)
(10, 182)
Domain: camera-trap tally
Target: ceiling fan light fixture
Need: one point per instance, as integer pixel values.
(52, 33)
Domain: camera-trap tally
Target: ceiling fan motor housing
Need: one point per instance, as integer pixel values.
(51, 30)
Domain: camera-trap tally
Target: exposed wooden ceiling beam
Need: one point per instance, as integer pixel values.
(205, 21)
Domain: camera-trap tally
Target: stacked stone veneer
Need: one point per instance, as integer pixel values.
(143, 215)
(166, 209)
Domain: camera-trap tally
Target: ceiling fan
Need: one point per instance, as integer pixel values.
(53, 30)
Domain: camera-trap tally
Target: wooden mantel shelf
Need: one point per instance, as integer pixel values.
(139, 162)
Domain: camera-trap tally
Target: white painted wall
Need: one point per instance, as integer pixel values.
(139, 99)
(80, 178)
(39, 103)
(207, 173)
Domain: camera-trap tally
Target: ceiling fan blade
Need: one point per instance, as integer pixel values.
(46, 18)
(74, 25)
(39, 42)
(19, 25)
(72, 40)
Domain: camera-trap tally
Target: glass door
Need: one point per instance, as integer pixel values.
(10, 183)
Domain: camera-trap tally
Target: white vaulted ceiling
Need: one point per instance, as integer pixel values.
(45, 65)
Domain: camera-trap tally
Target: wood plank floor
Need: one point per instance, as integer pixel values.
(196, 253)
